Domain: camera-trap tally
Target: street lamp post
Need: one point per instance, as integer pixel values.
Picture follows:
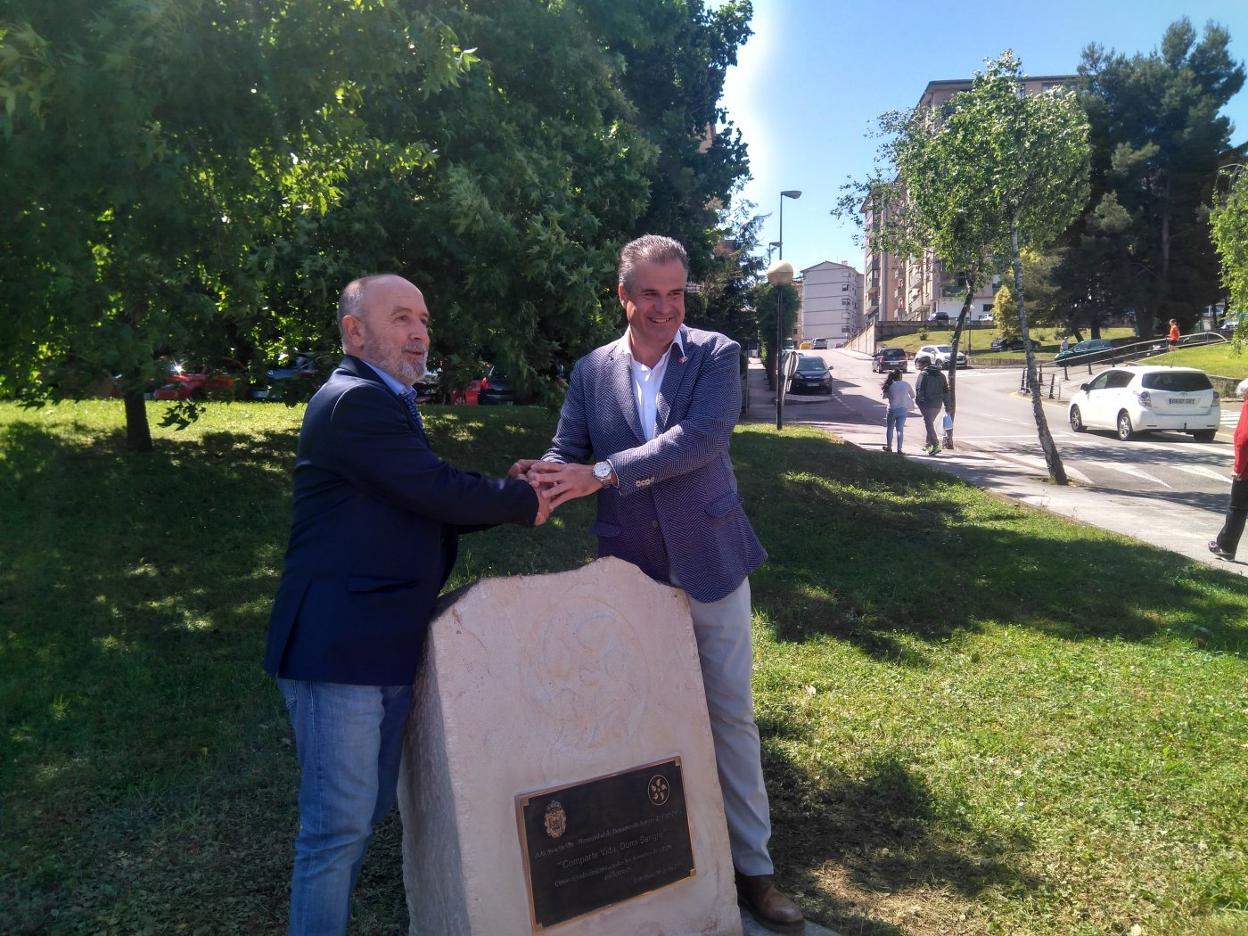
(782, 277)
(778, 275)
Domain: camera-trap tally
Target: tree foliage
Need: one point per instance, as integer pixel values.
(1229, 221)
(1158, 142)
(149, 147)
(993, 173)
(201, 177)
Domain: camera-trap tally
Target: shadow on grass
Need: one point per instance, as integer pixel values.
(881, 831)
(143, 753)
(878, 549)
(146, 770)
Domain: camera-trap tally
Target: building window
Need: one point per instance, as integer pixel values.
(844, 288)
(844, 302)
(987, 307)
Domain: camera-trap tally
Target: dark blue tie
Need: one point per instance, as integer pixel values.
(408, 397)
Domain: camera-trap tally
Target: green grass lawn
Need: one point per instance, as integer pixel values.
(977, 718)
(979, 340)
(1222, 358)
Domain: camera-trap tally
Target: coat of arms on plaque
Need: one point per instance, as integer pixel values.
(556, 819)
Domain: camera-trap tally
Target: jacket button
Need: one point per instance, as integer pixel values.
(654, 524)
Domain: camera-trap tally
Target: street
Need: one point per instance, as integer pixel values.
(1166, 489)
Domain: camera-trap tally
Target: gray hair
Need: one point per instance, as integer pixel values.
(351, 302)
(1242, 389)
(650, 248)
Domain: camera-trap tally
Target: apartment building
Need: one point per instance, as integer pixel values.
(831, 302)
(919, 288)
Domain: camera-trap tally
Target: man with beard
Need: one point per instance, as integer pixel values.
(373, 539)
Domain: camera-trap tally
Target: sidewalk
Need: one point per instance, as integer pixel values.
(1011, 475)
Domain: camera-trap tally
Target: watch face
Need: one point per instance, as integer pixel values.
(602, 471)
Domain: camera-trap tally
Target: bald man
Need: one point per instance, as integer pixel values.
(376, 517)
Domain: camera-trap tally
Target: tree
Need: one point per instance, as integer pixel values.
(146, 145)
(1158, 142)
(1030, 159)
(996, 171)
(1229, 220)
(768, 300)
(724, 300)
(252, 156)
(675, 55)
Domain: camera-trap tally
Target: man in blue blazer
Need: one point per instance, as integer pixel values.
(646, 426)
(373, 538)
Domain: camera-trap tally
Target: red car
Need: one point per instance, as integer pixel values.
(194, 385)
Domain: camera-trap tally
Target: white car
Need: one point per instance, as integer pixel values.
(1131, 400)
(940, 353)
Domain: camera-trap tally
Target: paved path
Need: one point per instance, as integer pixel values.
(1182, 521)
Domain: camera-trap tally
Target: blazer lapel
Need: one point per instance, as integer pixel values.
(677, 367)
(622, 387)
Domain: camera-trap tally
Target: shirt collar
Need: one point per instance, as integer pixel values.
(397, 386)
(622, 344)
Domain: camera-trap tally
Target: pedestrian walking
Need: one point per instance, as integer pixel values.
(1173, 337)
(1064, 346)
(1237, 510)
(931, 392)
(900, 397)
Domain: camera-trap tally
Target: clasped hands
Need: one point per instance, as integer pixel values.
(555, 483)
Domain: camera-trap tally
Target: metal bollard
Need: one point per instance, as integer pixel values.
(1052, 381)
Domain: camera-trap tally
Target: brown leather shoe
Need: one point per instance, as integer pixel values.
(768, 904)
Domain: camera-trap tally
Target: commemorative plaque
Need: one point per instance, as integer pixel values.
(596, 843)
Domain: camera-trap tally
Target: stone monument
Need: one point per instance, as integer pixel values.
(559, 771)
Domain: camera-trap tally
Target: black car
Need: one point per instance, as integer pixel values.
(1009, 344)
(887, 359)
(811, 376)
(496, 389)
(942, 317)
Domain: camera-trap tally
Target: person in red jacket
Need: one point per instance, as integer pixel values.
(1237, 511)
(1173, 337)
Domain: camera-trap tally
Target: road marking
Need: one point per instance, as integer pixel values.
(1135, 473)
(1202, 471)
(1031, 461)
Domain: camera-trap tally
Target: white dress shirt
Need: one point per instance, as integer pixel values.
(646, 383)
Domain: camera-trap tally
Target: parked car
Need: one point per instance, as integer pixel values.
(812, 375)
(1135, 399)
(941, 317)
(1228, 325)
(296, 378)
(494, 389)
(941, 355)
(1010, 344)
(887, 359)
(819, 344)
(195, 383)
(1085, 347)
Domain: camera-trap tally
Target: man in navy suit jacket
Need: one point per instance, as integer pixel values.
(373, 538)
(656, 409)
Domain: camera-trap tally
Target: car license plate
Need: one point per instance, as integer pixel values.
(1182, 401)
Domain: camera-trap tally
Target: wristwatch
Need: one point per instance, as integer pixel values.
(603, 472)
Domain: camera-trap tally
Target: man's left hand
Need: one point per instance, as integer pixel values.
(564, 482)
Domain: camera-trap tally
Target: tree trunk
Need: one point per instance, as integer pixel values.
(953, 368)
(138, 433)
(1057, 471)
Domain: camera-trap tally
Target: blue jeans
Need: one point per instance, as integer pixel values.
(349, 740)
(896, 418)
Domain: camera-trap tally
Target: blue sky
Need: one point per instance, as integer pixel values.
(816, 73)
